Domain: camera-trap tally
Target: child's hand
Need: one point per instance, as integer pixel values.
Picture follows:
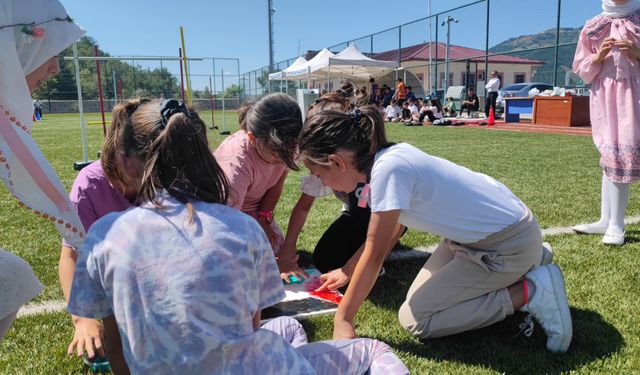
(628, 48)
(271, 235)
(289, 267)
(343, 329)
(604, 50)
(87, 336)
(333, 280)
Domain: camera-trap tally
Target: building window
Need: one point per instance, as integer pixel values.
(450, 80)
(472, 79)
(480, 75)
(519, 77)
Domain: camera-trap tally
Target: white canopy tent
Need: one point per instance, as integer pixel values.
(308, 71)
(353, 64)
(299, 64)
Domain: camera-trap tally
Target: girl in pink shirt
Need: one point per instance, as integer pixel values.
(256, 158)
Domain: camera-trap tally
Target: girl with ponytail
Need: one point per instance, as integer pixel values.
(490, 262)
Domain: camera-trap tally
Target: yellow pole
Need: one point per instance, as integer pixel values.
(186, 68)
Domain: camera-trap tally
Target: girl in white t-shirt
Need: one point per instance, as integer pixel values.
(392, 112)
(490, 262)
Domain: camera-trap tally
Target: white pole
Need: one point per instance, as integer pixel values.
(430, 46)
(115, 88)
(80, 104)
(224, 114)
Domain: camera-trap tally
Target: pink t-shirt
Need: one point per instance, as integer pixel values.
(94, 196)
(249, 175)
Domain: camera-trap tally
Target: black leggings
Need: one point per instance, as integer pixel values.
(341, 240)
(491, 102)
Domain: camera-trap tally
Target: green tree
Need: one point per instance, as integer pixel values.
(233, 91)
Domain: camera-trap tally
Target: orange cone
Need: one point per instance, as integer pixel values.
(492, 117)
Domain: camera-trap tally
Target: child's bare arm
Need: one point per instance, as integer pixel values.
(113, 344)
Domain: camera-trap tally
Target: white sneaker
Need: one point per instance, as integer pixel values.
(549, 306)
(592, 228)
(547, 254)
(613, 239)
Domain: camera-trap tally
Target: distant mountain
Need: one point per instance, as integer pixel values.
(547, 55)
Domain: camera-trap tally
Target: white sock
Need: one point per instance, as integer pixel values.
(605, 203)
(618, 199)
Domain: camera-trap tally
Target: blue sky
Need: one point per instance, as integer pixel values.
(239, 28)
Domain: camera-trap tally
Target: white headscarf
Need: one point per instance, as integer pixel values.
(611, 9)
(36, 37)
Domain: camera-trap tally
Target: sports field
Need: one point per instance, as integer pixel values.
(556, 175)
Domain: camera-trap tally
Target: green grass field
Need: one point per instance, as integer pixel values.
(556, 175)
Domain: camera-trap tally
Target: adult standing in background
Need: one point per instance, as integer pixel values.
(37, 109)
(401, 92)
(32, 34)
(375, 91)
(608, 57)
(492, 92)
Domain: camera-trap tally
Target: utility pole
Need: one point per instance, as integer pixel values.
(447, 22)
(270, 12)
(431, 86)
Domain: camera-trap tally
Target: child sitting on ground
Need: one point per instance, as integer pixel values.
(392, 112)
(450, 109)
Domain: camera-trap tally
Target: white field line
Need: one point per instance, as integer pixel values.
(418, 252)
(42, 307)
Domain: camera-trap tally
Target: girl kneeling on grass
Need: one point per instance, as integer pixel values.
(256, 159)
(182, 278)
(490, 262)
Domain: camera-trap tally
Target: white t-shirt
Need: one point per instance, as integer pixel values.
(440, 197)
(184, 294)
(414, 110)
(392, 111)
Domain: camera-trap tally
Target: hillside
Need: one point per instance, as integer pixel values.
(544, 39)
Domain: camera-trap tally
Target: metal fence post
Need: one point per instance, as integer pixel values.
(555, 60)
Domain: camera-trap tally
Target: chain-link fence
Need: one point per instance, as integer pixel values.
(213, 81)
(524, 41)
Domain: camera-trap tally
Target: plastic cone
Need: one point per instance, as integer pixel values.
(492, 117)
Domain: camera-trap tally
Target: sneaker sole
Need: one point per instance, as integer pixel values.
(563, 307)
(547, 254)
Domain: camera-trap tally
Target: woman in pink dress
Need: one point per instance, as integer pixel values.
(608, 57)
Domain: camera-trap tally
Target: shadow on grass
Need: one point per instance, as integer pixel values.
(496, 347)
(499, 346)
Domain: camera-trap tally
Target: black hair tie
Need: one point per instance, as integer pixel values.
(170, 107)
(356, 115)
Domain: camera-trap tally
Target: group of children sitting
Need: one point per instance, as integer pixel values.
(183, 251)
(414, 111)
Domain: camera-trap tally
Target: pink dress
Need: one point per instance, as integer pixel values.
(249, 176)
(615, 95)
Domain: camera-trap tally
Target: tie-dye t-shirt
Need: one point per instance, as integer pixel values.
(184, 294)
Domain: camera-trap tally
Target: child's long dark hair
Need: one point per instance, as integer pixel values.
(171, 141)
(277, 120)
(360, 131)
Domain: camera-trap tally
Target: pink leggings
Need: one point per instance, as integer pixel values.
(357, 356)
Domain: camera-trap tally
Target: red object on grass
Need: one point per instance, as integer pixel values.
(492, 117)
